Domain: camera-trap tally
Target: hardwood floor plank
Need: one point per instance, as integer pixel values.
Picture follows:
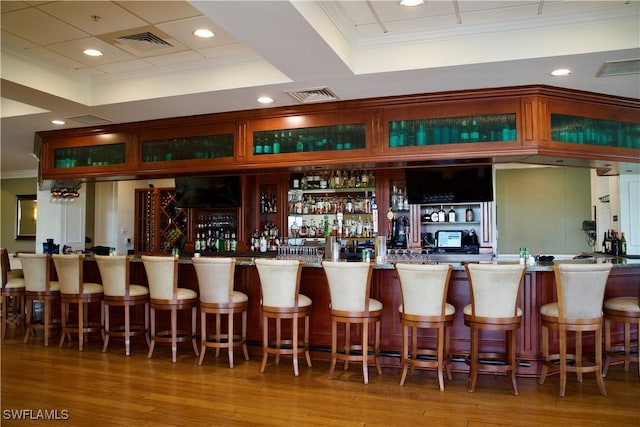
(110, 389)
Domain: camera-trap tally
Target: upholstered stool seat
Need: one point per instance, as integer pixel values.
(281, 299)
(215, 283)
(580, 289)
(495, 290)
(162, 275)
(118, 292)
(74, 290)
(351, 304)
(39, 287)
(424, 306)
(12, 294)
(625, 310)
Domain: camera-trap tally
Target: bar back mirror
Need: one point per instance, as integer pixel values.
(26, 217)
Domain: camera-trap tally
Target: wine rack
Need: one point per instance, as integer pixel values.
(160, 224)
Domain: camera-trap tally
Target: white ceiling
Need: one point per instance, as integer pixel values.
(358, 49)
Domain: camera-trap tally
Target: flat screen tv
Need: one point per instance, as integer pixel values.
(450, 184)
(208, 192)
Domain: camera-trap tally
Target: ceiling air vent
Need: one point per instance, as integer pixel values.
(89, 119)
(144, 42)
(313, 95)
(617, 68)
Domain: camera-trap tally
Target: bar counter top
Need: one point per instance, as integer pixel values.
(456, 261)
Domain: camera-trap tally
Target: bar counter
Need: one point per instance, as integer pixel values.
(537, 289)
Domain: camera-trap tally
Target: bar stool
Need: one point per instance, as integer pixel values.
(162, 275)
(74, 290)
(580, 289)
(39, 287)
(494, 290)
(118, 292)
(424, 306)
(627, 311)
(215, 282)
(281, 299)
(13, 291)
(349, 289)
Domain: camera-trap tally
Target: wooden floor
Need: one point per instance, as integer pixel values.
(109, 389)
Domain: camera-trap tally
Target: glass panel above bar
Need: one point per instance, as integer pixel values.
(305, 140)
(194, 147)
(452, 130)
(582, 130)
(93, 155)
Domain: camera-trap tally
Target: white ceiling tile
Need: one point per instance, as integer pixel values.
(160, 11)
(125, 66)
(183, 29)
(111, 17)
(61, 60)
(176, 58)
(38, 27)
(8, 6)
(9, 39)
(73, 49)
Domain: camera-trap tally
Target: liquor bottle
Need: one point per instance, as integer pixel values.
(441, 215)
(464, 132)
(197, 243)
(615, 244)
(604, 243)
(623, 245)
(452, 215)
(607, 242)
(475, 131)
(263, 203)
(468, 214)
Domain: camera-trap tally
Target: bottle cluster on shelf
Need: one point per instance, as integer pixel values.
(188, 148)
(268, 203)
(582, 130)
(399, 200)
(313, 204)
(614, 244)
(347, 228)
(321, 138)
(442, 214)
(334, 180)
(267, 239)
(216, 233)
(452, 130)
(96, 155)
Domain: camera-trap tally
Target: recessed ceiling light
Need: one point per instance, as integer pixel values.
(265, 100)
(411, 3)
(58, 122)
(92, 52)
(203, 33)
(561, 72)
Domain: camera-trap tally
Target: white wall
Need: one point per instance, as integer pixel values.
(64, 222)
(630, 211)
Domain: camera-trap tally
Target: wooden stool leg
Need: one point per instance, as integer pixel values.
(365, 351)
(306, 340)
(203, 336)
(152, 318)
(127, 329)
(244, 335)
(447, 356)
(405, 353)
(627, 346)
(376, 346)
(146, 324)
(579, 355)
(473, 369)
(230, 338)
(562, 333)
(174, 333)
(545, 354)
(598, 343)
(440, 356)
(194, 342)
(106, 328)
(334, 347)
(64, 314)
(28, 327)
(294, 344)
(607, 346)
(3, 302)
(265, 342)
(218, 333)
(511, 342)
